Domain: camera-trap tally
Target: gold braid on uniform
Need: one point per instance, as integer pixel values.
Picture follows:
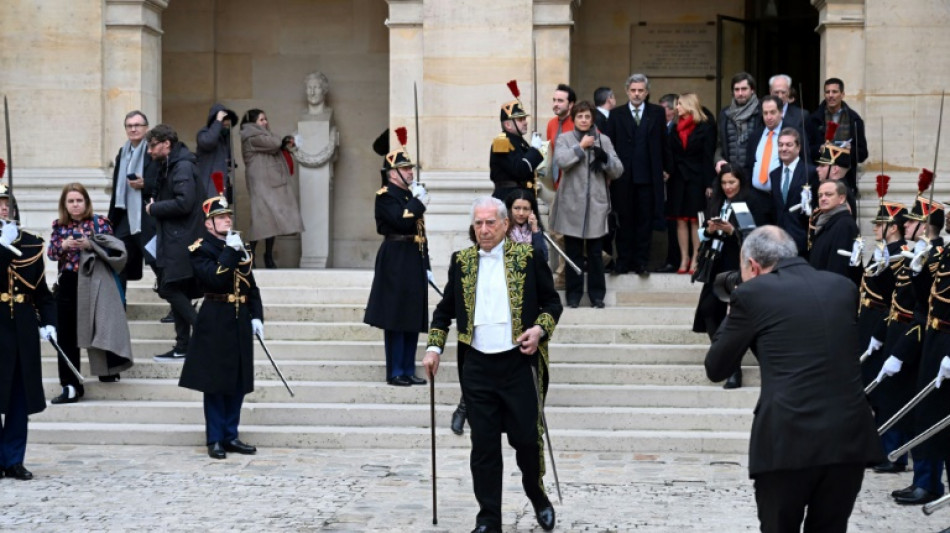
(437, 337)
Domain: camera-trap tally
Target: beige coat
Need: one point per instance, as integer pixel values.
(582, 193)
(275, 209)
(101, 324)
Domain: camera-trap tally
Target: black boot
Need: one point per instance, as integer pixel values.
(458, 418)
(734, 381)
(253, 254)
(269, 253)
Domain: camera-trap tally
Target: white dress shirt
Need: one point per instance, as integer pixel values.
(773, 162)
(492, 320)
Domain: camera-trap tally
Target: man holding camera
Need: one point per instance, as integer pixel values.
(813, 432)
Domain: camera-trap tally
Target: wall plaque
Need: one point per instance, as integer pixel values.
(673, 50)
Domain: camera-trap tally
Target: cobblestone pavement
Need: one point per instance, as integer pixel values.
(162, 488)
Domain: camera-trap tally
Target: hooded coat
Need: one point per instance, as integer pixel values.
(101, 324)
(177, 211)
(214, 150)
(275, 209)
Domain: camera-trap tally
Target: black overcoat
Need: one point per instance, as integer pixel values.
(936, 344)
(177, 211)
(837, 234)
(220, 357)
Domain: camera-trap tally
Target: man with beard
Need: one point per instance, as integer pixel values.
(849, 132)
(562, 104)
(178, 223)
(737, 121)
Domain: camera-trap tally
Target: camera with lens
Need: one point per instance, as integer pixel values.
(725, 283)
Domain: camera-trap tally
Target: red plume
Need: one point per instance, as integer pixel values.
(218, 178)
(513, 87)
(832, 127)
(882, 182)
(402, 135)
(924, 180)
(3, 167)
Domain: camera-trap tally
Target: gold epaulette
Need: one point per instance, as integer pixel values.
(501, 144)
(195, 245)
(382, 191)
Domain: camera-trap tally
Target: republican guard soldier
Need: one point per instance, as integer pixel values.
(513, 161)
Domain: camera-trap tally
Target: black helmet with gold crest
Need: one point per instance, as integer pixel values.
(834, 153)
(217, 205)
(514, 108)
(398, 158)
(925, 210)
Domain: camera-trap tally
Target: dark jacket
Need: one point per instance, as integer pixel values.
(815, 131)
(837, 234)
(811, 409)
(19, 321)
(177, 212)
(214, 150)
(796, 224)
(398, 299)
(118, 217)
(624, 132)
(753, 146)
(733, 143)
(220, 356)
(936, 345)
(512, 160)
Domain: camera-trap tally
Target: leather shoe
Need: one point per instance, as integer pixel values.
(458, 419)
(642, 272)
(486, 529)
(237, 446)
(918, 496)
(904, 491)
(545, 516)
(573, 305)
(597, 304)
(734, 381)
(69, 395)
(666, 269)
(399, 381)
(169, 318)
(888, 467)
(216, 451)
(416, 380)
(18, 472)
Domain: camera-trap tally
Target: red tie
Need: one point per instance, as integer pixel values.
(766, 160)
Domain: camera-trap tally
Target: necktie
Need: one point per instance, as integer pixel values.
(636, 115)
(766, 160)
(786, 181)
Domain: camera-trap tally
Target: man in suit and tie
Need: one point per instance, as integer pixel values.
(787, 181)
(813, 432)
(638, 131)
(792, 115)
(762, 150)
(605, 100)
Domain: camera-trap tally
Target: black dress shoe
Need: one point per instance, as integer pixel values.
(904, 491)
(573, 305)
(416, 380)
(110, 379)
(399, 381)
(486, 529)
(269, 262)
(918, 496)
(237, 446)
(216, 451)
(734, 381)
(545, 516)
(888, 467)
(666, 269)
(458, 419)
(69, 395)
(597, 304)
(169, 318)
(642, 272)
(18, 472)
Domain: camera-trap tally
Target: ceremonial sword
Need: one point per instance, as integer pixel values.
(279, 373)
(67, 361)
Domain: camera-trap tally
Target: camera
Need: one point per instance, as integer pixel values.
(725, 283)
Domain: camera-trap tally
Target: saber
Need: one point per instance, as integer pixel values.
(943, 95)
(864, 356)
(936, 504)
(279, 373)
(547, 434)
(534, 83)
(436, 287)
(910, 405)
(415, 98)
(68, 362)
(6, 120)
(435, 490)
(930, 432)
(873, 385)
(567, 259)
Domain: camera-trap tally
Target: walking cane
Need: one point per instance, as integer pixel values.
(279, 373)
(547, 434)
(435, 490)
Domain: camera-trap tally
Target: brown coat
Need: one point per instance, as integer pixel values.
(101, 324)
(583, 196)
(275, 209)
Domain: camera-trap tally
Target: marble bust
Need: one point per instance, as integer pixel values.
(317, 86)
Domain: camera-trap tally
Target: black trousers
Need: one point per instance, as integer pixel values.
(828, 493)
(500, 397)
(574, 282)
(635, 228)
(176, 293)
(68, 282)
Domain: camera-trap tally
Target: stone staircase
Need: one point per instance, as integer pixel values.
(625, 378)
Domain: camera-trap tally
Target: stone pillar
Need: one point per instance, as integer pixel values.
(318, 140)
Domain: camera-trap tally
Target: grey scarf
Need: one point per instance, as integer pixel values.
(131, 162)
(824, 217)
(740, 115)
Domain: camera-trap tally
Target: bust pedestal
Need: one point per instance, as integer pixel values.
(316, 150)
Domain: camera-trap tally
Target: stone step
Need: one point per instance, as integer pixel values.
(381, 415)
(707, 395)
(375, 371)
(357, 331)
(296, 436)
(283, 350)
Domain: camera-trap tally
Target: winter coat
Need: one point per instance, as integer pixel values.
(214, 150)
(101, 323)
(583, 196)
(275, 209)
(177, 211)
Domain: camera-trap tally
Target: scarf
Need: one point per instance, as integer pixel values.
(131, 162)
(740, 116)
(521, 233)
(684, 127)
(824, 217)
(843, 133)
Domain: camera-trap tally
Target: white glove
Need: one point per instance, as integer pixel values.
(806, 201)
(48, 332)
(917, 263)
(857, 252)
(891, 367)
(944, 372)
(536, 140)
(257, 328)
(874, 345)
(920, 246)
(8, 233)
(233, 240)
(419, 191)
(430, 277)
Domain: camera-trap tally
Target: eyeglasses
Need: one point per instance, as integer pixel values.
(135, 126)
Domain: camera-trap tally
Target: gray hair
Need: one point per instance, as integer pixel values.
(490, 201)
(637, 78)
(767, 245)
(786, 77)
(135, 113)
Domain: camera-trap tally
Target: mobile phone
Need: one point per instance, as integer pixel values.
(77, 235)
(131, 177)
(715, 220)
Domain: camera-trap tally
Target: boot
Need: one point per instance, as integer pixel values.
(253, 254)
(734, 381)
(458, 418)
(269, 253)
